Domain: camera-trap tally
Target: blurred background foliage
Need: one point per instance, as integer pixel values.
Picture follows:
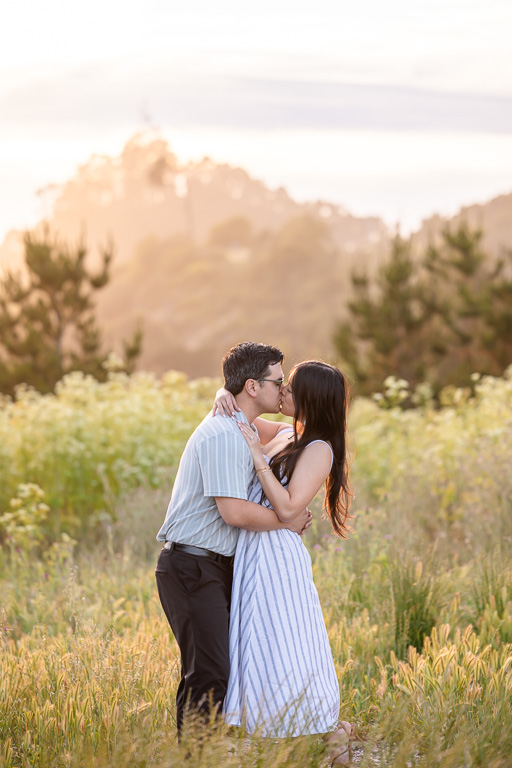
(204, 255)
(431, 319)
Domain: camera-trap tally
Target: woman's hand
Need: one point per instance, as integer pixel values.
(299, 521)
(225, 403)
(253, 441)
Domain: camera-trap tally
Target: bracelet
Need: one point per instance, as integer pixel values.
(263, 469)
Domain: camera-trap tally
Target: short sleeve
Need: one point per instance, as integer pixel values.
(226, 466)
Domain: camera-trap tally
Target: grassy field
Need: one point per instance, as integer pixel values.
(417, 602)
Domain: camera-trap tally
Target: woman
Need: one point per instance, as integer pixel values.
(283, 681)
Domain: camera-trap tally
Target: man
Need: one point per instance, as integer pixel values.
(209, 504)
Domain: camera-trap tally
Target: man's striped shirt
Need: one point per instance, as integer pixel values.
(216, 462)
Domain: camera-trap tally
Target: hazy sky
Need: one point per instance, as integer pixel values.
(397, 109)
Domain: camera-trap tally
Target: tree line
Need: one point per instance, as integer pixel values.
(438, 317)
(434, 317)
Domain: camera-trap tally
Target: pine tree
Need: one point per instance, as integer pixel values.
(438, 318)
(471, 297)
(47, 317)
(387, 322)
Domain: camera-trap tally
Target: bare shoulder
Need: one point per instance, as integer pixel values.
(313, 466)
(319, 451)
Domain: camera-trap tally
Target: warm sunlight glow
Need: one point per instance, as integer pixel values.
(391, 110)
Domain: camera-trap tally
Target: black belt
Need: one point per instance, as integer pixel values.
(198, 551)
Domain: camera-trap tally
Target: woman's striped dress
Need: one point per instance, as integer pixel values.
(282, 681)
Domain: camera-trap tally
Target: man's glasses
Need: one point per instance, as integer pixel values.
(279, 382)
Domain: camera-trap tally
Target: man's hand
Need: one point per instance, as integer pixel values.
(302, 522)
(308, 522)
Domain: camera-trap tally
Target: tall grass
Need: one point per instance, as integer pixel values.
(417, 602)
(89, 669)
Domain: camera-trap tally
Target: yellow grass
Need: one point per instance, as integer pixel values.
(417, 602)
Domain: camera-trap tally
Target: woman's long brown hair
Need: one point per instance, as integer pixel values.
(320, 394)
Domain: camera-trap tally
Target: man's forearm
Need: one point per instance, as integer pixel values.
(248, 515)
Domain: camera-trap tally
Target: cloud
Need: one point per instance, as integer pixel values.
(109, 96)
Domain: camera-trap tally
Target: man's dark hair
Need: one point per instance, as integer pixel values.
(248, 360)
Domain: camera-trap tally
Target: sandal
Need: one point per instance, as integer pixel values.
(340, 743)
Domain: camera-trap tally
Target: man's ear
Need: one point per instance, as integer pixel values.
(250, 387)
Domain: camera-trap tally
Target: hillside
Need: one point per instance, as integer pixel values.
(205, 255)
(196, 301)
(197, 292)
(493, 218)
(146, 192)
